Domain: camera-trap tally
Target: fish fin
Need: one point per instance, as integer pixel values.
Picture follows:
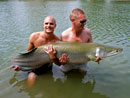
(92, 57)
(27, 52)
(13, 59)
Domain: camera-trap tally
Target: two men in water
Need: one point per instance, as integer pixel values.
(76, 33)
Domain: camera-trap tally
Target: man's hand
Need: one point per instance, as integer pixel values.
(98, 59)
(63, 59)
(51, 52)
(16, 68)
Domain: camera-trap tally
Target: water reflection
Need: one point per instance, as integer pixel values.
(58, 74)
(46, 87)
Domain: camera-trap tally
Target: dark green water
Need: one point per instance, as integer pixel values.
(109, 22)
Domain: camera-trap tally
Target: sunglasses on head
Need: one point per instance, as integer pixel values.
(83, 21)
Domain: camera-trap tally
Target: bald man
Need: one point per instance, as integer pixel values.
(37, 39)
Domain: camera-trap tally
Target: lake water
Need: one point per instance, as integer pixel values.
(109, 22)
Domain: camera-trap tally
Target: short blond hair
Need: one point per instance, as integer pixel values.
(75, 13)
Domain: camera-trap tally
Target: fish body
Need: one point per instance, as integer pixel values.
(77, 52)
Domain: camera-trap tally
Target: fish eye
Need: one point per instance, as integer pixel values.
(117, 51)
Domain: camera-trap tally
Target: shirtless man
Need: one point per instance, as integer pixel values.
(77, 33)
(40, 38)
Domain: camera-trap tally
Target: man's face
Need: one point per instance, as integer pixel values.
(49, 25)
(80, 21)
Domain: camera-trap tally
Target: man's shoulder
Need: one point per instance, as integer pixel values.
(35, 34)
(66, 32)
(87, 31)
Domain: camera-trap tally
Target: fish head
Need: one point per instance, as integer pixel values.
(106, 51)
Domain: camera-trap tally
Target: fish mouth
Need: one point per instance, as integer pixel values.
(115, 52)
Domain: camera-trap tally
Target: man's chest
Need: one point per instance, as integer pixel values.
(78, 39)
(40, 42)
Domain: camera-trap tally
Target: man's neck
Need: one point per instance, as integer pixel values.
(76, 31)
(48, 36)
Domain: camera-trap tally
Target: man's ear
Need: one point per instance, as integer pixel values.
(55, 25)
(72, 19)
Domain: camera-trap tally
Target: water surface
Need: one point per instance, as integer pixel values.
(109, 22)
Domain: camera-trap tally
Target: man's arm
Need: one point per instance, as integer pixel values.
(52, 54)
(89, 34)
(30, 43)
(64, 35)
(91, 39)
(30, 46)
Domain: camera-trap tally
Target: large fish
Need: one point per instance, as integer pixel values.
(77, 52)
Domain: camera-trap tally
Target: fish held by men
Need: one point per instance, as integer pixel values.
(77, 52)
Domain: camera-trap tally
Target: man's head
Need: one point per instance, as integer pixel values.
(49, 24)
(78, 18)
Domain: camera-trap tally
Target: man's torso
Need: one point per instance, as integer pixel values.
(40, 40)
(84, 36)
